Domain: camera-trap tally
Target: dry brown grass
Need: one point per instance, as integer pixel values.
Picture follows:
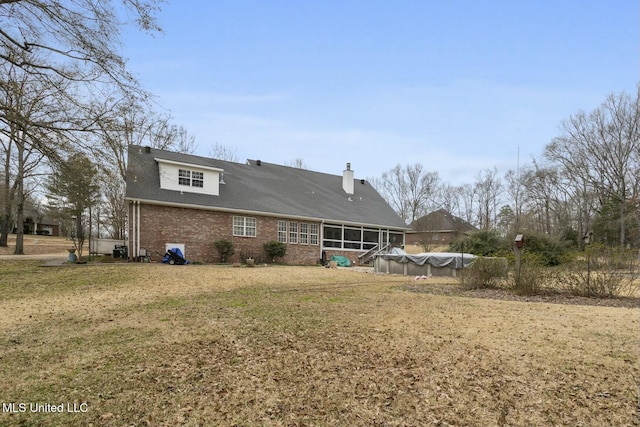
(203, 345)
(34, 244)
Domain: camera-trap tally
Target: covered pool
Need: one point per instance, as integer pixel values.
(397, 261)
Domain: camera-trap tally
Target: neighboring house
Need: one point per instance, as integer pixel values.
(190, 202)
(439, 228)
(35, 223)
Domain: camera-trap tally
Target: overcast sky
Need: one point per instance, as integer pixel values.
(458, 86)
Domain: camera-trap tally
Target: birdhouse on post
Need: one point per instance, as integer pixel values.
(519, 241)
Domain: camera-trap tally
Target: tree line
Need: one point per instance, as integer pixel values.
(69, 108)
(584, 187)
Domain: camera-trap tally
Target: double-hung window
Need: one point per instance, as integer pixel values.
(190, 178)
(282, 231)
(314, 231)
(304, 233)
(244, 226)
(293, 232)
(298, 232)
(197, 179)
(184, 177)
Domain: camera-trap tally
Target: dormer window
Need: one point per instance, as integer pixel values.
(197, 179)
(184, 177)
(190, 178)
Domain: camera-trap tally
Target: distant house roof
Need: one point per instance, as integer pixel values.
(441, 221)
(39, 218)
(261, 188)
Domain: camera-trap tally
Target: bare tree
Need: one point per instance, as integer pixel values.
(297, 163)
(600, 149)
(515, 190)
(182, 141)
(467, 194)
(223, 152)
(76, 44)
(410, 191)
(32, 118)
(81, 36)
(488, 189)
(132, 121)
(113, 203)
(449, 199)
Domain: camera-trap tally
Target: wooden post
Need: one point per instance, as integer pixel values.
(519, 244)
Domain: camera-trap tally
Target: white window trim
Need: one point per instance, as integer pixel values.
(189, 176)
(293, 232)
(303, 233)
(184, 174)
(244, 226)
(363, 245)
(283, 233)
(315, 234)
(199, 180)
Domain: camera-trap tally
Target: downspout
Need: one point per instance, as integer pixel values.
(138, 229)
(132, 221)
(320, 239)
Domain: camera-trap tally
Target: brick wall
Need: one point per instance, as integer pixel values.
(199, 229)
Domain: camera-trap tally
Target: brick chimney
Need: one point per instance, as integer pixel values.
(347, 180)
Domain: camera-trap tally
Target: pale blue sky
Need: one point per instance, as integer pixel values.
(455, 85)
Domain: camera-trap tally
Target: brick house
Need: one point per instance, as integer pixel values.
(439, 228)
(187, 201)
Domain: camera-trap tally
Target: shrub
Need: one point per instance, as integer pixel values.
(275, 249)
(481, 243)
(225, 249)
(601, 272)
(550, 251)
(531, 277)
(484, 273)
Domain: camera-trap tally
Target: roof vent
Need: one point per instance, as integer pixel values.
(259, 162)
(362, 181)
(147, 149)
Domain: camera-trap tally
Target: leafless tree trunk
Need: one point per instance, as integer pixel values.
(488, 189)
(229, 154)
(600, 149)
(410, 190)
(114, 205)
(468, 197)
(30, 116)
(514, 188)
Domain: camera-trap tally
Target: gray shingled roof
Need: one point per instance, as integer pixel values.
(265, 189)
